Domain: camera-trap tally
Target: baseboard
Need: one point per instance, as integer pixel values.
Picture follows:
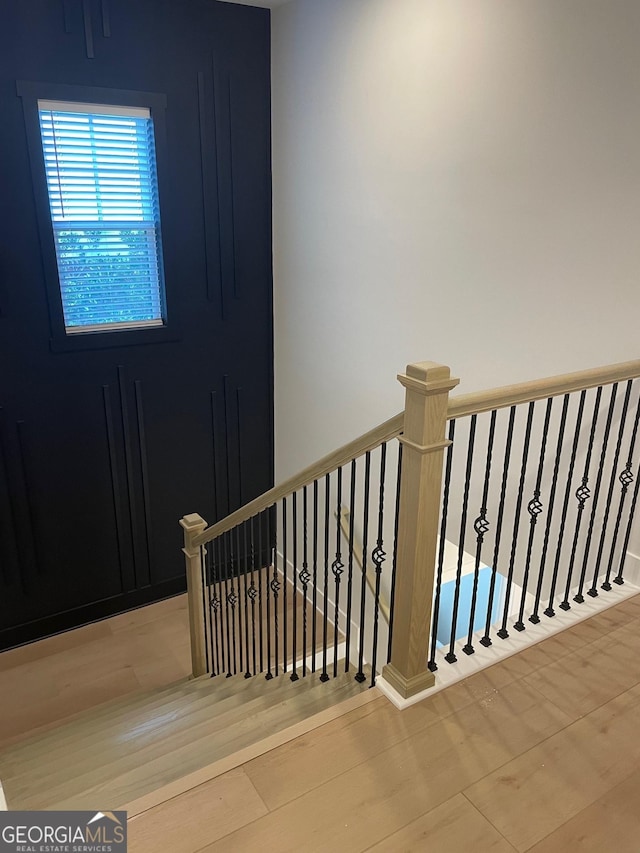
(632, 569)
(3, 802)
(449, 674)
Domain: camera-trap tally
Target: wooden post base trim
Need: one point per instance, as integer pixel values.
(408, 687)
(425, 448)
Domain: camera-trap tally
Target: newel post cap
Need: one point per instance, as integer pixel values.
(428, 377)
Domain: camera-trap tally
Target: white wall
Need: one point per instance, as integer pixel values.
(456, 180)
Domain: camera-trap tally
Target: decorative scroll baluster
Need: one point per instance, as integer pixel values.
(605, 442)
(550, 612)
(481, 527)
(275, 589)
(261, 569)
(583, 494)
(378, 558)
(392, 596)
(247, 559)
(252, 594)
(534, 508)
(431, 663)
(352, 498)
(233, 601)
(503, 633)
(325, 608)
(214, 605)
(337, 567)
(227, 594)
(450, 657)
(267, 570)
(314, 615)
(305, 577)
(360, 676)
(294, 645)
(284, 584)
(619, 579)
(625, 478)
(535, 618)
(593, 592)
(236, 572)
(486, 640)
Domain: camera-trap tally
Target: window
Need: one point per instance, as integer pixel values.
(100, 170)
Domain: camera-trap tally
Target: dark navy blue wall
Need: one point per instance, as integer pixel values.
(103, 449)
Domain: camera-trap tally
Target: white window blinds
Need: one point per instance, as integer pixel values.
(103, 194)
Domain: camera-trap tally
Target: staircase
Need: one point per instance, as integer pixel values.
(121, 751)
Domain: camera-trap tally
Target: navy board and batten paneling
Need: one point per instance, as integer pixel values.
(105, 443)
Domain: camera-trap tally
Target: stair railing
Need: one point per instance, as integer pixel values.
(280, 559)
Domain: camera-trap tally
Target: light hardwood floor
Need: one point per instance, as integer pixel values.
(538, 753)
(46, 682)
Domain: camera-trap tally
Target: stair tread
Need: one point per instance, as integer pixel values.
(114, 761)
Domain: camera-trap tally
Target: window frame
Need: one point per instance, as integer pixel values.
(61, 340)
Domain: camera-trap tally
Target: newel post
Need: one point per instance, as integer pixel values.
(193, 525)
(424, 441)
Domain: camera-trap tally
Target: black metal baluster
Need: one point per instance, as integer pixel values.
(431, 664)
(294, 644)
(619, 579)
(207, 551)
(450, 657)
(582, 494)
(233, 601)
(214, 605)
(284, 584)
(534, 508)
(605, 441)
(486, 640)
(243, 645)
(268, 593)
(392, 596)
(314, 615)
(325, 609)
(593, 592)
(248, 601)
(275, 589)
(625, 478)
(535, 618)
(352, 498)
(480, 526)
(225, 551)
(252, 594)
(205, 610)
(304, 580)
(550, 612)
(261, 569)
(337, 567)
(503, 633)
(360, 676)
(378, 558)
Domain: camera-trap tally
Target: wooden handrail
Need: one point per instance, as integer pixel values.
(540, 389)
(460, 406)
(359, 446)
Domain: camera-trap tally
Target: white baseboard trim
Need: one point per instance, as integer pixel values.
(448, 674)
(632, 568)
(3, 801)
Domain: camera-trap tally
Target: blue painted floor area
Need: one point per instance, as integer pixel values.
(445, 614)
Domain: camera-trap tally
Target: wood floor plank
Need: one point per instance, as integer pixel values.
(535, 793)
(394, 787)
(454, 826)
(612, 822)
(189, 822)
(591, 676)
